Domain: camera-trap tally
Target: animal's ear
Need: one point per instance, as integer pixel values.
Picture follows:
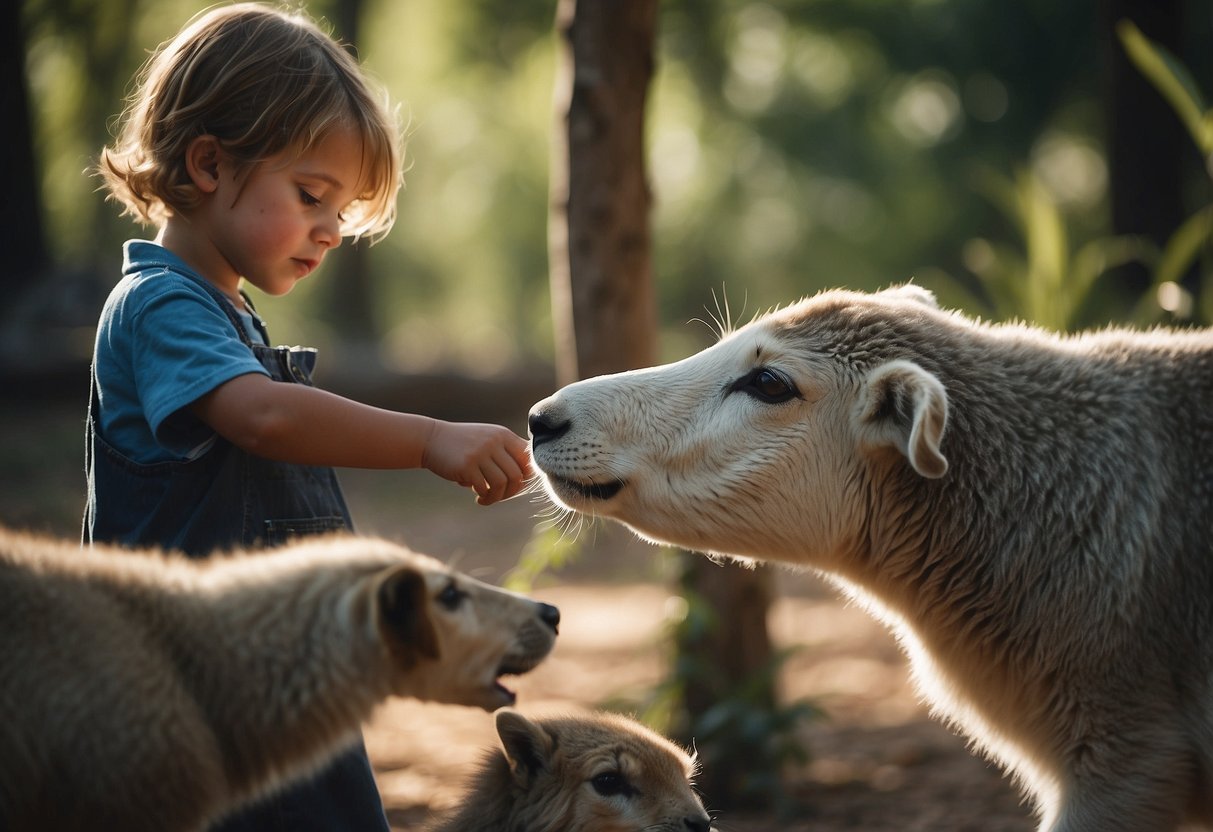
(528, 747)
(404, 616)
(905, 407)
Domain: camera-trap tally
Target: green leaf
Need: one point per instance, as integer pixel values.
(548, 549)
(1173, 80)
(1184, 246)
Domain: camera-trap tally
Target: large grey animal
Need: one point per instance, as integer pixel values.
(150, 693)
(1032, 514)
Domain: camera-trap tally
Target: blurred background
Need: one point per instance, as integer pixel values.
(1028, 159)
(791, 146)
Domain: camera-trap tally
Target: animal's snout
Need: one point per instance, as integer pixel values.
(546, 424)
(550, 616)
(694, 824)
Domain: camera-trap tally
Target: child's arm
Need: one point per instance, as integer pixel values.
(309, 426)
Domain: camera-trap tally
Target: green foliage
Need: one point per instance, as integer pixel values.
(1169, 75)
(1191, 241)
(793, 146)
(1054, 283)
(833, 136)
(1049, 281)
(1187, 246)
(741, 726)
(549, 550)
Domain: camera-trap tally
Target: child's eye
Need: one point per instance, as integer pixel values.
(307, 198)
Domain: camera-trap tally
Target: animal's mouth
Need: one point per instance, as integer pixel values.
(506, 697)
(511, 666)
(589, 490)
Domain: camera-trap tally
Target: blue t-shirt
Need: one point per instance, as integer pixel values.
(162, 342)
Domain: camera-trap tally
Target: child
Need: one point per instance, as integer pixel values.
(253, 144)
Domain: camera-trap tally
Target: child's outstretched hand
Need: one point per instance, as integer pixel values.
(491, 460)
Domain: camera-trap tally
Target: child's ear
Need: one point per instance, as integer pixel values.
(202, 162)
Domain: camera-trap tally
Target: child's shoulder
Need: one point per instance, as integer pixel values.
(152, 275)
(156, 301)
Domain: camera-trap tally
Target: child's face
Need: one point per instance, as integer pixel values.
(274, 228)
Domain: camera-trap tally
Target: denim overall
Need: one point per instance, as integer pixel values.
(224, 499)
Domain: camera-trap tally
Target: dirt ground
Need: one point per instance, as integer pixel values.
(878, 763)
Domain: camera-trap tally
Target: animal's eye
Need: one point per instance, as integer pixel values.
(610, 784)
(767, 385)
(451, 596)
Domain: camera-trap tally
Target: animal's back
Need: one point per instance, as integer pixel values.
(69, 650)
(149, 691)
(1102, 445)
(1073, 533)
(1069, 549)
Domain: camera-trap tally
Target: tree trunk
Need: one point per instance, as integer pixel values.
(349, 290)
(25, 253)
(603, 306)
(735, 645)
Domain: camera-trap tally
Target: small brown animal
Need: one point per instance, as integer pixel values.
(146, 692)
(1031, 513)
(595, 773)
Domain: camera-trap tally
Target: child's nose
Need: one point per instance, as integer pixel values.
(328, 233)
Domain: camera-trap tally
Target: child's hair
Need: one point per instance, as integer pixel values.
(263, 81)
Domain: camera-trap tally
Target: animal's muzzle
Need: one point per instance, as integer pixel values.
(550, 615)
(546, 425)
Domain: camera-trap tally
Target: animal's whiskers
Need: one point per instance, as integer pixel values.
(721, 318)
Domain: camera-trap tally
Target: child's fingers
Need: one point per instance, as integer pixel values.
(503, 477)
(497, 483)
(523, 461)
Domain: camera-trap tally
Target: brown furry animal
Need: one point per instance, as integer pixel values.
(1031, 513)
(148, 693)
(595, 773)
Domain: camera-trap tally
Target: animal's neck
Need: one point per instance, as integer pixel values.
(492, 801)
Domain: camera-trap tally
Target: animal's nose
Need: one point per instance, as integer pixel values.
(550, 616)
(546, 425)
(697, 824)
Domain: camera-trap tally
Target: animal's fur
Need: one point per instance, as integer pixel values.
(1032, 514)
(141, 691)
(593, 773)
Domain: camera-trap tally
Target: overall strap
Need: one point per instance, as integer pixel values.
(229, 309)
(86, 537)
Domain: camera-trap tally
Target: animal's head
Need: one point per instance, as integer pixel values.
(600, 773)
(769, 443)
(453, 637)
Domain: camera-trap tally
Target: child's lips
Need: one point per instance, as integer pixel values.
(308, 265)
